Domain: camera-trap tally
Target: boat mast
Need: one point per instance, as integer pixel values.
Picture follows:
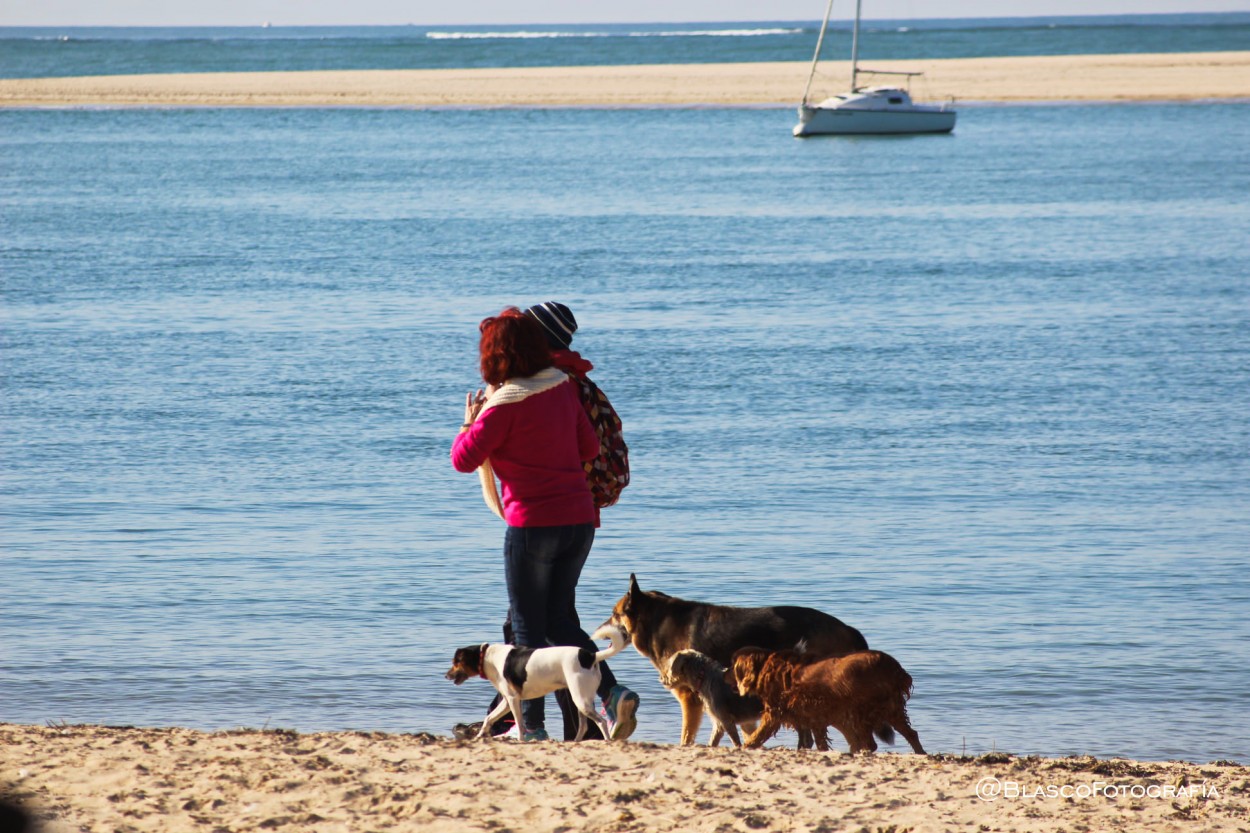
(855, 49)
(816, 58)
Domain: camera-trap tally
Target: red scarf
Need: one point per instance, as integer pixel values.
(570, 361)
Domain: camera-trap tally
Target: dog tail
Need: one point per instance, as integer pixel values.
(609, 631)
(885, 734)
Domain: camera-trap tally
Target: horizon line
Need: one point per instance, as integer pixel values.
(266, 24)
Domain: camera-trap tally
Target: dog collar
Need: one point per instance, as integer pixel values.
(481, 662)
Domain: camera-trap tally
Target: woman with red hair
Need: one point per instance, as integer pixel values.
(529, 428)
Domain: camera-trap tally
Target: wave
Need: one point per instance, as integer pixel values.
(675, 33)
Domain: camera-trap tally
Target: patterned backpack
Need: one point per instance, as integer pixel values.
(608, 473)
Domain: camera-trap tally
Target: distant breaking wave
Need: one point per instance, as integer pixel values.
(676, 33)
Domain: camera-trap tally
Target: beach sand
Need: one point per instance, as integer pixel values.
(1166, 77)
(91, 778)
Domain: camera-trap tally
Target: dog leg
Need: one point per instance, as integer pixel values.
(514, 703)
(909, 734)
(581, 727)
(586, 709)
(691, 714)
(718, 732)
(601, 722)
(861, 740)
(769, 725)
(732, 729)
(584, 698)
(495, 713)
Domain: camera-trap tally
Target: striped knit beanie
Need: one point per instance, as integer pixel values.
(558, 322)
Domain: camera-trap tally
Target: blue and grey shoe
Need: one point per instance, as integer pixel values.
(621, 710)
(530, 734)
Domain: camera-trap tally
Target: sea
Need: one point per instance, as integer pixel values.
(984, 396)
(31, 52)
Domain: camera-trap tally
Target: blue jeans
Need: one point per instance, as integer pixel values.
(543, 565)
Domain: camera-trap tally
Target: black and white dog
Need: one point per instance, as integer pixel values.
(525, 673)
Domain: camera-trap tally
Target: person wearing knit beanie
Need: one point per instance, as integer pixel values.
(558, 323)
(620, 704)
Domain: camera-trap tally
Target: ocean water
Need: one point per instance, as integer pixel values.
(982, 396)
(70, 51)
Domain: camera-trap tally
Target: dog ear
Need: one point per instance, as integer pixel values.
(634, 589)
(746, 659)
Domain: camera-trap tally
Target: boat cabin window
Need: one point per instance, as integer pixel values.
(895, 99)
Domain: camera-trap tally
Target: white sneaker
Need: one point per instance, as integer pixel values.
(531, 735)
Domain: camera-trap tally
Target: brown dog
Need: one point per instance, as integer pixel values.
(660, 625)
(856, 694)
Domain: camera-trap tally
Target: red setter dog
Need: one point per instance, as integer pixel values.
(857, 694)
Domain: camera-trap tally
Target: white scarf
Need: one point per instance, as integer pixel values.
(512, 391)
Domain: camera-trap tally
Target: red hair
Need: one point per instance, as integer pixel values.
(513, 345)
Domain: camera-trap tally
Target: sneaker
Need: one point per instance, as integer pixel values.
(531, 735)
(621, 710)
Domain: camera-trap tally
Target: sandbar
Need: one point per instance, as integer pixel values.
(1065, 78)
(95, 779)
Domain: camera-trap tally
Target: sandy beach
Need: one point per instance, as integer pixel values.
(91, 778)
(1160, 77)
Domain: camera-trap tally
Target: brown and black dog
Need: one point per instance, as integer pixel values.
(660, 625)
(717, 691)
(857, 694)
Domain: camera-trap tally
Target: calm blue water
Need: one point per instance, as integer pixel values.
(68, 51)
(982, 396)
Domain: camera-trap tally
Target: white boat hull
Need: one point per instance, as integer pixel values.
(835, 121)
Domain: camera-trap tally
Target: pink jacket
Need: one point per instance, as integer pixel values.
(536, 447)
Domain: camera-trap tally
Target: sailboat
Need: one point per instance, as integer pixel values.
(867, 110)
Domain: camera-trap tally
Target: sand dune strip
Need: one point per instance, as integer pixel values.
(1163, 77)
